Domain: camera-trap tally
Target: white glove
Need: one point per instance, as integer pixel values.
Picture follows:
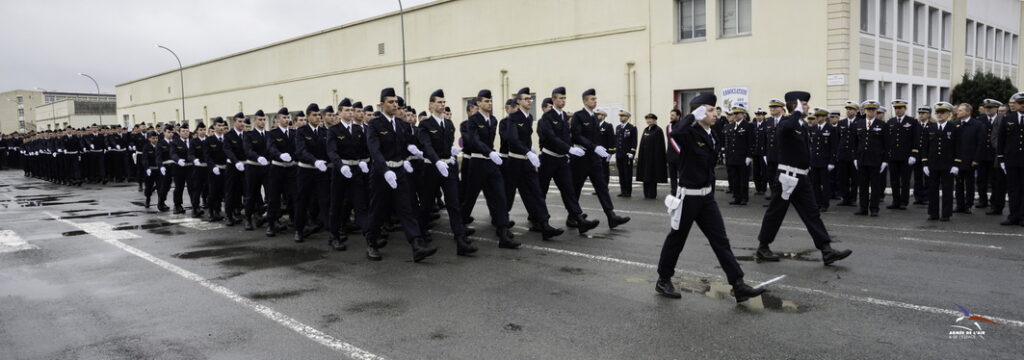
(452, 159)
(495, 158)
(163, 170)
(882, 169)
(262, 160)
(391, 179)
(196, 162)
(955, 170)
(911, 161)
(699, 113)
(364, 167)
(119, 147)
(92, 146)
(855, 165)
(442, 167)
(1003, 166)
(240, 166)
(630, 156)
(765, 158)
(600, 151)
(927, 172)
(415, 151)
(181, 162)
(831, 167)
(346, 171)
(575, 151)
(286, 157)
(216, 170)
(534, 160)
(749, 161)
(456, 151)
(149, 172)
(320, 165)
(54, 154)
(408, 166)
(135, 159)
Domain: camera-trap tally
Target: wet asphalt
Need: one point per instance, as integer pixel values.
(71, 294)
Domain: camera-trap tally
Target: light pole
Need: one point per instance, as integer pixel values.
(53, 107)
(97, 93)
(401, 14)
(181, 75)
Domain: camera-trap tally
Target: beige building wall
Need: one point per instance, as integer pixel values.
(9, 106)
(61, 114)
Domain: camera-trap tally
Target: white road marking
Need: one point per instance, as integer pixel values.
(193, 223)
(11, 242)
(268, 312)
(938, 242)
(769, 281)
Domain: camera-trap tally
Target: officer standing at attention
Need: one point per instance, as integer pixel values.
(147, 160)
(924, 118)
(824, 142)
(607, 136)
(846, 172)
(699, 153)
(940, 163)
(163, 156)
(988, 173)
(794, 159)
(556, 147)
(759, 167)
(1010, 155)
(586, 135)
(904, 132)
(625, 144)
(972, 138)
(313, 186)
(741, 138)
(651, 162)
(199, 189)
(871, 157)
(181, 168)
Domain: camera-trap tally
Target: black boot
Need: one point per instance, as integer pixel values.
(147, 201)
(178, 209)
(571, 222)
(583, 225)
(830, 256)
(463, 246)
(506, 241)
(298, 236)
(197, 213)
(215, 215)
(272, 229)
(765, 254)
(742, 292)
(231, 221)
(421, 250)
(248, 223)
(161, 207)
(615, 220)
(338, 242)
(549, 232)
(666, 289)
(371, 251)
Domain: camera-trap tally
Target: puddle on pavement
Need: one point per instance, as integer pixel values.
(74, 233)
(255, 258)
(722, 291)
(802, 255)
(109, 214)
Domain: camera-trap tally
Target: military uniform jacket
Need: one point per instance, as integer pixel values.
(139, 140)
(824, 145)
(280, 143)
(179, 150)
(343, 143)
(741, 140)
(1011, 141)
(770, 138)
(625, 141)
(418, 137)
(698, 153)
(904, 133)
(972, 138)
(516, 133)
(215, 154)
(115, 140)
(255, 145)
(847, 139)
(671, 148)
(95, 142)
(986, 149)
(941, 147)
(71, 144)
(479, 135)
(585, 131)
(149, 156)
(163, 150)
(386, 142)
(233, 147)
(793, 142)
(197, 150)
(553, 131)
(607, 137)
(442, 136)
(873, 142)
(758, 149)
(310, 145)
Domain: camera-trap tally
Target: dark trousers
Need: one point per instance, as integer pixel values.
(150, 181)
(182, 179)
(625, 167)
(982, 181)
(255, 186)
(96, 167)
(165, 183)
(234, 185)
(72, 167)
(759, 168)
(899, 181)
(200, 189)
(921, 183)
(216, 197)
(557, 168)
(280, 192)
(336, 217)
(673, 178)
(964, 189)
(773, 175)
(803, 201)
(941, 180)
(1015, 188)
(384, 201)
(702, 210)
(434, 184)
(313, 191)
(465, 173)
(357, 199)
(486, 176)
(651, 189)
(848, 181)
(872, 184)
(821, 186)
(998, 180)
(739, 181)
(521, 175)
(607, 168)
(589, 166)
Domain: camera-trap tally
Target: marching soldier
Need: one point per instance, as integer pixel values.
(904, 134)
(651, 164)
(556, 147)
(792, 187)
(181, 168)
(150, 164)
(625, 144)
(139, 137)
(72, 152)
(972, 137)
(95, 147)
(740, 139)
(200, 187)
(217, 160)
(281, 175)
(234, 179)
(940, 162)
(163, 155)
(342, 146)
(522, 163)
(871, 157)
(698, 204)
(254, 145)
(1010, 154)
(824, 143)
(607, 139)
(313, 194)
(585, 135)
(485, 174)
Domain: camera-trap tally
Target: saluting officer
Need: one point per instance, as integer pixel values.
(281, 176)
(586, 136)
(625, 144)
(313, 193)
(556, 146)
(871, 157)
(794, 160)
(824, 143)
(940, 162)
(741, 138)
(904, 132)
(1011, 160)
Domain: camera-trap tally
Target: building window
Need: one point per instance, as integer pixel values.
(884, 8)
(21, 112)
(979, 41)
(21, 100)
(867, 16)
(944, 93)
(999, 45)
(916, 96)
(883, 92)
(947, 31)
(735, 17)
(865, 90)
(969, 49)
(933, 28)
(901, 91)
(920, 23)
(1013, 54)
(1007, 48)
(902, 15)
(692, 20)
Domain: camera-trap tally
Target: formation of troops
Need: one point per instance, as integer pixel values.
(352, 169)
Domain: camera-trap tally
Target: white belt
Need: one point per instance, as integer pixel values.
(281, 163)
(253, 163)
(448, 161)
(411, 158)
(515, 156)
(153, 168)
(306, 166)
(220, 166)
(201, 165)
(394, 164)
(168, 162)
(696, 192)
(138, 152)
(117, 150)
(791, 169)
(187, 164)
(353, 162)
(72, 153)
(551, 153)
(95, 150)
(478, 156)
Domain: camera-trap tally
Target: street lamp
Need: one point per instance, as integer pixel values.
(53, 107)
(97, 93)
(181, 75)
(401, 14)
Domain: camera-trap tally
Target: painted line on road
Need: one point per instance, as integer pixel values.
(939, 242)
(268, 312)
(11, 242)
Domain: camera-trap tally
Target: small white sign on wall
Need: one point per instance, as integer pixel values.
(836, 80)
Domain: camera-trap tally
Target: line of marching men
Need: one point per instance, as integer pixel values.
(356, 170)
(96, 154)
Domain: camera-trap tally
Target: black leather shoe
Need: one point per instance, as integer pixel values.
(338, 243)
(933, 218)
(231, 221)
(743, 292)
(892, 207)
(615, 220)
(548, 232)
(248, 224)
(197, 214)
(1010, 222)
(162, 207)
(666, 289)
(373, 254)
(571, 222)
(272, 229)
(505, 240)
(511, 224)
(830, 256)
(765, 254)
(470, 231)
(584, 225)
(298, 237)
(467, 220)
(463, 246)
(147, 202)
(178, 210)
(215, 216)
(861, 213)
(421, 250)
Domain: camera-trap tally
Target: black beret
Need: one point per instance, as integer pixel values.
(200, 125)
(447, 109)
(387, 92)
(283, 111)
(423, 113)
(547, 101)
(152, 134)
(524, 91)
(485, 94)
(401, 101)
(313, 108)
(471, 102)
(368, 108)
(558, 90)
(260, 113)
(94, 124)
(300, 114)
(329, 109)
(438, 93)
(185, 126)
(357, 105)
(798, 95)
(703, 99)
(247, 122)
(168, 127)
(218, 120)
(590, 92)
(510, 102)
(346, 102)
(239, 115)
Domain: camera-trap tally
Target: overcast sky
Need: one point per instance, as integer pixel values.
(49, 42)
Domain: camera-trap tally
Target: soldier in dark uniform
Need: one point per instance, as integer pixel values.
(342, 146)
(924, 118)
(651, 161)
(522, 163)
(281, 175)
(904, 132)
(776, 109)
(234, 179)
(871, 157)
(625, 145)
(940, 163)
(972, 138)
(698, 204)
(986, 155)
(181, 168)
(95, 147)
(149, 163)
(846, 171)
(997, 201)
(311, 179)
(116, 159)
(824, 143)
(794, 160)
(556, 147)
(471, 109)
(254, 146)
(585, 135)
(671, 154)
(607, 139)
(740, 141)
(72, 152)
(759, 168)
(163, 156)
(217, 160)
(1010, 154)
(139, 139)
(478, 137)
(200, 187)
